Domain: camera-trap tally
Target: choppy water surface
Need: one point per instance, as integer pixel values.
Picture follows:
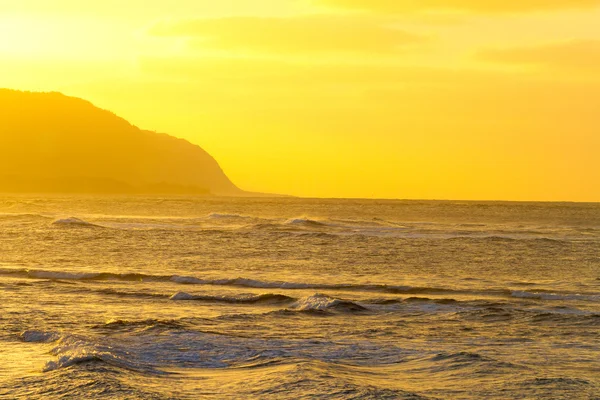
(156, 298)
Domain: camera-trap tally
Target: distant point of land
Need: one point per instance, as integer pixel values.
(52, 143)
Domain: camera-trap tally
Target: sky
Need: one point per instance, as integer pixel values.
(421, 99)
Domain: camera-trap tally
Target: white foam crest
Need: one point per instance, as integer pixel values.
(316, 302)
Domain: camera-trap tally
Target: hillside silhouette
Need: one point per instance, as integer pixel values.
(52, 143)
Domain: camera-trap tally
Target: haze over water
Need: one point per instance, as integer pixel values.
(192, 297)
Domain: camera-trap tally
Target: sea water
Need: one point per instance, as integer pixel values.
(224, 298)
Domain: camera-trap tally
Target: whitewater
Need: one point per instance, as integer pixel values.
(117, 297)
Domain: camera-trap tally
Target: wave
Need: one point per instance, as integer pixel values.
(121, 293)
(269, 298)
(157, 224)
(554, 296)
(219, 222)
(570, 317)
(321, 302)
(186, 345)
(74, 223)
(503, 312)
(560, 380)
(304, 222)
(478, 237)
(76, 276)
(119, 324)
(461, 356)
(72, 359)
(224, 216)
(258, 284)
(83, 276)
(35, 336)
(316, 302)
(428, 300)
(416, 300)
(465, 359)
(283, 285)
(73, 349)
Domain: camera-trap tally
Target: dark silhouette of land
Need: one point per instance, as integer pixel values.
(52, 143)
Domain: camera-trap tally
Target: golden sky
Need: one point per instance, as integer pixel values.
(446, 99)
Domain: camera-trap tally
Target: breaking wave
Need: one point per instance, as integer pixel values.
(150, 351)
(74, 349)
(321, 302)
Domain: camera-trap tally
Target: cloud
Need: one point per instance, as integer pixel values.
(481, 6)
(301, 34)
(580, 55)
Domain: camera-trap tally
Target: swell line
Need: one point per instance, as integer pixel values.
(539, 294)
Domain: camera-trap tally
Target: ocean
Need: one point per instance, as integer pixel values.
(275, 298)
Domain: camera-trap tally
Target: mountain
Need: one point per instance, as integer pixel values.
(50, 142)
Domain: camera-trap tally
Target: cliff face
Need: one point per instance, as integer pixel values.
(53, 143)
